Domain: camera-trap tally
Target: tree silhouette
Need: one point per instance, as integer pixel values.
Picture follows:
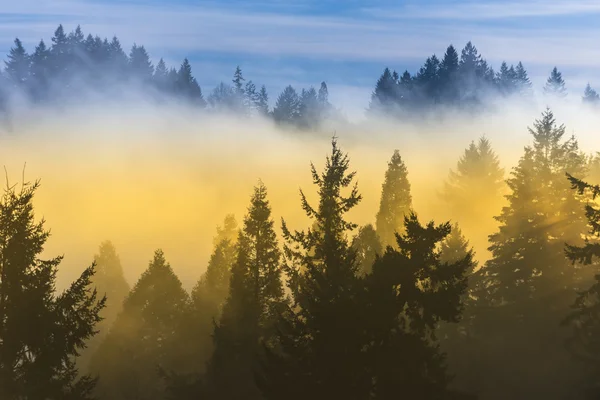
(555, 84)
(41, 332)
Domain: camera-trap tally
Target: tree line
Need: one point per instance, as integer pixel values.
(399, 308)
(73, 62)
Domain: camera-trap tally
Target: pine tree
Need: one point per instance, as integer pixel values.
(161, 76)
(250, 96)
(117, 60)
(287, 107)
(255, 300)
(319, 352)
(41, 332)
(428, 81)
(590, 96)
(238, 78)
(409, 293)
(555, 85)
(140, 65)
(367, 246)
(17, 66)
(396, 201)
(507, 79)
(144, 336)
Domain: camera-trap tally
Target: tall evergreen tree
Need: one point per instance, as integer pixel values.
(41, 332)
(262, 103)
(523, 82)
(408, 294)
(555, 84)
(222, 97)
(59, 53)
(17, 66)
(448, 75)
(161, 76)
(255, 300)
(507, 79)
(590, 96)
(309, 110)
(109, 281)
(187, 86)
(139, 64)
(428, 81)
(287, 107)
(39, 72)
(143, 337)
(117, 59)
(319, 353)
(384, 96)
(396, 201)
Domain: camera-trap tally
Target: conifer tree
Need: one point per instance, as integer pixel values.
(262, 103)
(409, 292)
(396, 201)
(384, 95)
(523, 82)
(555, 85)
(448, 75)
(222, 97)
(161, 76)
(59, 53)
(473, 192)
(140, 65)
(250, 96)
(367, 246)
(507, 79)
(17, 66)
(39, 72)
(117, 59)
(144, 337)
(590, 96)
(319, 352)
(109, 281)
(41, 332)
(428, 80)
(187, 86)
(255, 300)
(309, 110)
(287, 107)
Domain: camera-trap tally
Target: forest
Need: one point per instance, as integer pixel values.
(497, 299)
(75, 63)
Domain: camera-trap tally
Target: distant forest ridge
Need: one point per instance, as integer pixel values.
(74, 61)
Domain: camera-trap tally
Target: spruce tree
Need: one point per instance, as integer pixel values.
(255, 300)
(144, 337)
(319, 353)
(507, 80)
(396, 201)
(161, 76)
(41, 331)
(309, 110)
(590, 96)
(428, 81)
(39, 72)
(555, 85)
(117, 60)
(367, 246)
(59, 53)
(448, 75)
(523, 82)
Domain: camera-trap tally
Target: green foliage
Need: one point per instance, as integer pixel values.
(367, 246)
(41, 332)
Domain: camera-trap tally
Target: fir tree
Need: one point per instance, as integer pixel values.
(523, 82)
(319, 352)
(367, 246)
(161, 76)
(117, 59)
(255, 300)
(384, 95)
(41, 332)
(590, 96)
(39, 72)
(250, 96)
(507, 79)
(187, 86)
(17, 66)
(287, 107)
(428, 80)
(262, 104)
(396, 201)
(448, 75)
(143, 337)
(409, 292)
(59, 53)
(139, 64)
(309, 110)
(555, 85)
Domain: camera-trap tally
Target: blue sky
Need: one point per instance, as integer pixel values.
(346, 43)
